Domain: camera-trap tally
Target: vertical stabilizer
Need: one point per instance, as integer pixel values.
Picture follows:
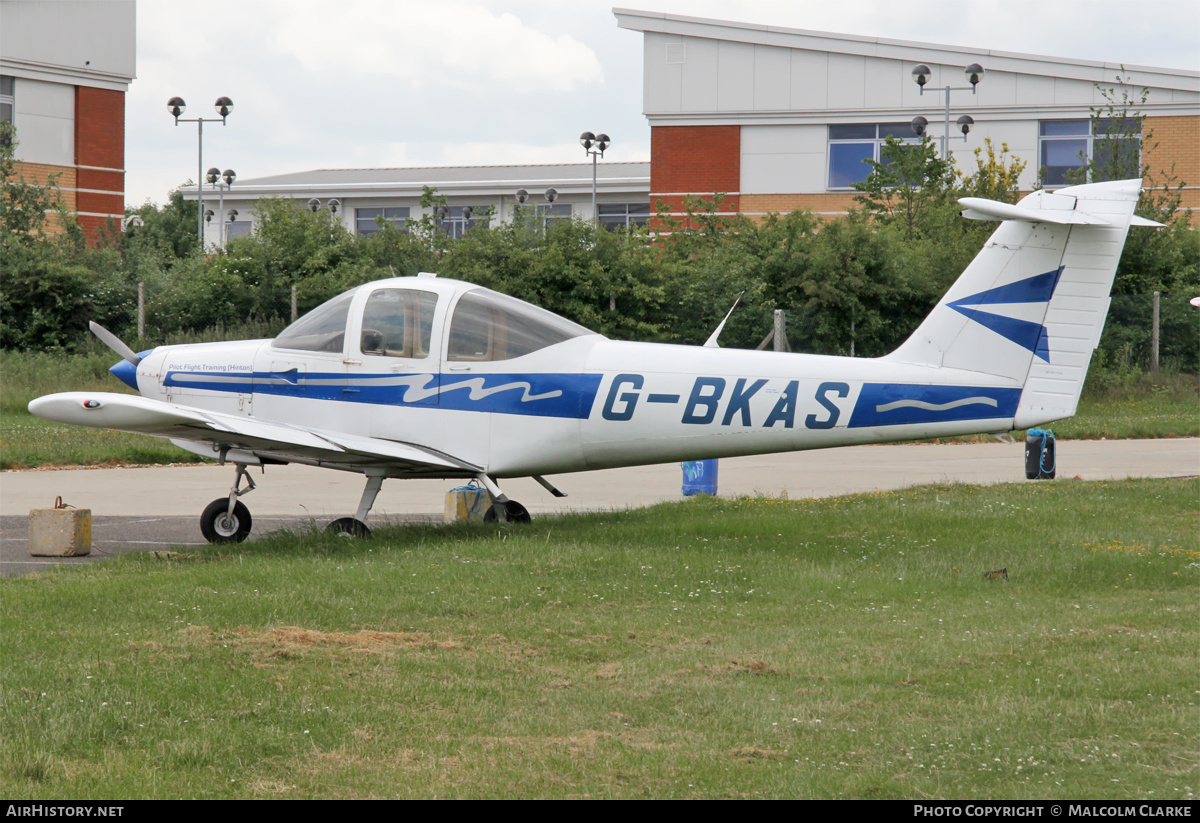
(1031, 306)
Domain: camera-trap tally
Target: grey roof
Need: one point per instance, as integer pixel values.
(456, 177)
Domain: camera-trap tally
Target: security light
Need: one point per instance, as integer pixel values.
(964, 124)
(334, 204)
(919, 124)
(230, 175)
(212, 175)
(224, 106)
(974, 74)
(921, 75)
(176, 106)
(314, 204)
(522, 196)
(551, 195)
(587, 139)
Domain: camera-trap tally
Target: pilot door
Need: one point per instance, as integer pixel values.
(393, 369)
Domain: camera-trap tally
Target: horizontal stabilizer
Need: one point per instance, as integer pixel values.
(978, 208)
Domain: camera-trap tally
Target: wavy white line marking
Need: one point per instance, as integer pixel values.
(415, 388)
(921, 404)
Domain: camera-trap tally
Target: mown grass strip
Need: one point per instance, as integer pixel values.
(846, 647)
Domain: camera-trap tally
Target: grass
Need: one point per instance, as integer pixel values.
(1167, 406)
(845, 647)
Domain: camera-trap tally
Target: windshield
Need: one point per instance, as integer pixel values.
(322, 329)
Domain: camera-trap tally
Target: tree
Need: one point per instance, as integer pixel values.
(906, 184)
(1163, 260)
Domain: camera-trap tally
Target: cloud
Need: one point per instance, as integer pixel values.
(456, 44)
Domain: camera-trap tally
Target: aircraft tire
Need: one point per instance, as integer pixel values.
(218, 527)
(348, 527)
(515, 511)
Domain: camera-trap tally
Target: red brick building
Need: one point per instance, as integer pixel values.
(64, 70)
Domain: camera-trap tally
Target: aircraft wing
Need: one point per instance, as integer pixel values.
(246, 439)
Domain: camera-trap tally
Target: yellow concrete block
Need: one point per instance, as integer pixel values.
(467, 503)
(60, 532)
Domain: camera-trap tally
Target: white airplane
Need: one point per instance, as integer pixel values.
(426, 377)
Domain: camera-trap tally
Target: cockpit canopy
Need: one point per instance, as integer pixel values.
(401, 322)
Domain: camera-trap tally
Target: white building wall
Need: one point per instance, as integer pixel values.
(44, 117)
(78, 42)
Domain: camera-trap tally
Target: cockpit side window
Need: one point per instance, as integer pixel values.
(398, 323)
(488, 325)
(322, 329)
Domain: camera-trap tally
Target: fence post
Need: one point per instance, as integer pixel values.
(780, 334)
(293, 302)
(1154, 337)
(141, 310)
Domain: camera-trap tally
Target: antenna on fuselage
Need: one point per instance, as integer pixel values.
(711, 342)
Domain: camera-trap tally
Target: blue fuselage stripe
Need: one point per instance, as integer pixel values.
(539, 395)
(896, 404)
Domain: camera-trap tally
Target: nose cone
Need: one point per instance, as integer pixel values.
(126, 372)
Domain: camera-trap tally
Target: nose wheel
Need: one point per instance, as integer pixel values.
(226, 519)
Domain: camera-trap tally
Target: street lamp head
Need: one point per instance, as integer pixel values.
(919, 124)
(964, 124)
(230, 175)
(587, 139)
(176, 107)
(232, 215)
(212, 175)
(551, 195)
(208, 215)
(974, 74)
(522, 196)
(334, 204)
(921, 75)
(603, 141)
(224, 107)
(314, 205)
(467, 212)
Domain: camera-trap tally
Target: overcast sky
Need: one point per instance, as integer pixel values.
(382, 83)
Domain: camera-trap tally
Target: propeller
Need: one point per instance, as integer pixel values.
(113, 342)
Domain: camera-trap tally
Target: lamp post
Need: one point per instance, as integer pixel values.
(921, 73)
(176, 106)
(221, 180)
(594, 144)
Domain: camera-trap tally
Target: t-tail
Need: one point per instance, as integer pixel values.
(1031, 306)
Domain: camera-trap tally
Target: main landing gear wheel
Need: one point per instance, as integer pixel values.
(348, 527)
(515, 512)
(219, 526)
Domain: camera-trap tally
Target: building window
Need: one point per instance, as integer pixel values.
(614, 216)
(851, 146)
(238, 228)
(1113, 147)
(454, 224)
(366, 220)
(552, 215)
(6, 106)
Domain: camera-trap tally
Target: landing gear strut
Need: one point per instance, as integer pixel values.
(226, 519)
